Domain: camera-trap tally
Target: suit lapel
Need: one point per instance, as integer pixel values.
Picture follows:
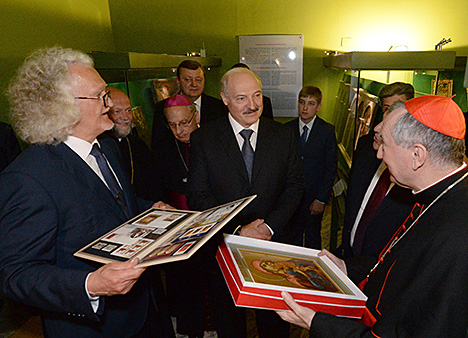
(262, 149)
(203, 110)
(122, 177)
(296, 132)
(231, 146)
(82, 173)
(314, 132)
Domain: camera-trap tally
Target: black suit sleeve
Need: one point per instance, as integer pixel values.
(199, 186)
(328, 326)
(159, 130)
(28, 251)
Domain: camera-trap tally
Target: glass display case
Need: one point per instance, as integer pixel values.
(357, 108)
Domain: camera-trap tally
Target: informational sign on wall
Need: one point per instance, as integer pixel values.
(277, 60)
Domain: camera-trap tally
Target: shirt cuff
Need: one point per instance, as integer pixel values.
(271, 230)
(93, 300)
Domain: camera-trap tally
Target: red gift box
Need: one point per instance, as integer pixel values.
(257, 271)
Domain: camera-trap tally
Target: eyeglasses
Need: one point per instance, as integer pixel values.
(181, 124)
(105, 98)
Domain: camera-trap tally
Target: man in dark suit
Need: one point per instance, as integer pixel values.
(191, 82)
(56, 198)
(9, 146)
(363, 240)
(317, 149)
(237, 156)
(136, 157)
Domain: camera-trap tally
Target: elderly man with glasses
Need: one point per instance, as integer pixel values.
(173, 159)
(64, 191)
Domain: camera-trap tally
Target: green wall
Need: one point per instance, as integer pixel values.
(26, 25)
(177, 27)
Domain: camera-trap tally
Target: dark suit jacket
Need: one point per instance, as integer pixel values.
(52, 204)
(9, 146)
(319, 159)
(218, 174)
(136, 160)
(267, 108)
(211, 109)
(388, 217)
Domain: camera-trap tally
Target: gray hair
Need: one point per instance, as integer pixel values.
(442, 149)
(192, 107)
(43, 109)
(225, 78)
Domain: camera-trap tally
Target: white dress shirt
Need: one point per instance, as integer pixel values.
(309, 126)
(367, 196)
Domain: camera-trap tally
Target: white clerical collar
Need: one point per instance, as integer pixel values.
(443, 178)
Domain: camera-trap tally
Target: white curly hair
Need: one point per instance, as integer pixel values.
(42, 107)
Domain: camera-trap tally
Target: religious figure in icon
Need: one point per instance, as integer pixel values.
(307, 276)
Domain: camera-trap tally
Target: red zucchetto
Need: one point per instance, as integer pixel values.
(439, 113)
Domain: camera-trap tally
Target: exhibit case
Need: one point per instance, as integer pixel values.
(357, 109)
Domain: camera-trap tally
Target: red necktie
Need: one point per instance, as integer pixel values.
(376, 198)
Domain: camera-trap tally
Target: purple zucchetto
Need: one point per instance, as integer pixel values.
(178, 100)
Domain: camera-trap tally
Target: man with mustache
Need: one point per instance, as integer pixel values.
(135, 153)
(236, 156)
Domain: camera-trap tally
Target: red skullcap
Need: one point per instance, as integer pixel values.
(439, 113)
(178, 100)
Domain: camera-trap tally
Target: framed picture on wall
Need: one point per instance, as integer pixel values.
(444, 88)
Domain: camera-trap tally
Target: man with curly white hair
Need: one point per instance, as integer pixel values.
(65, 190)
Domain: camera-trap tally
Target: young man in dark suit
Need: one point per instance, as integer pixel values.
(240, 155)
(191, 82)
(64, 191)
(317, 149)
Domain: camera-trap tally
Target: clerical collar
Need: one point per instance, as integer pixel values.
(463, 166)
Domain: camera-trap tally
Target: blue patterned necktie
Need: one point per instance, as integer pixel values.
(305, 130)
(247, 151)
(109, 177)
